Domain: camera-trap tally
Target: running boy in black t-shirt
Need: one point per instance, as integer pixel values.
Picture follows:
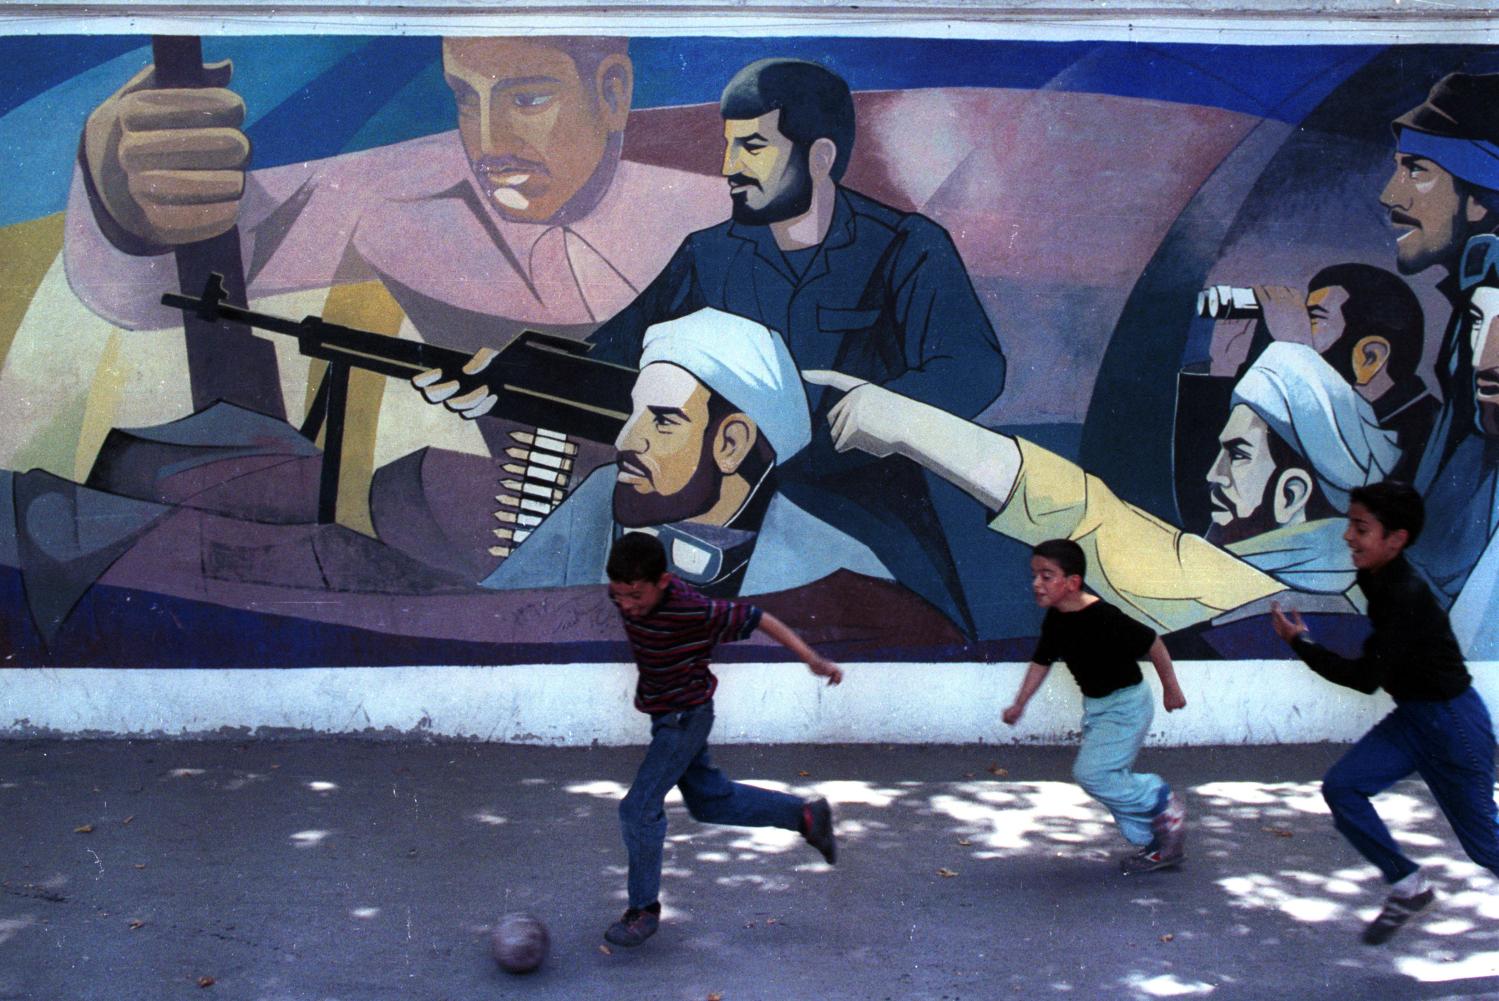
(1101, 646)
(1440, 727)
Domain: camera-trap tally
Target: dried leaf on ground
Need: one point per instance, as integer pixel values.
(140, 865)
(1167, 937)
(127, 820)
(137, 923)
(946, 873)
(606, 950)
(715, 997)
(804, 774)
(994, 769)
(85, 829)
(1279, 832)
(964, 842)
(206, 981)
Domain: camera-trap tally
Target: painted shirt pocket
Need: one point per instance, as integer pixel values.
(829, 318)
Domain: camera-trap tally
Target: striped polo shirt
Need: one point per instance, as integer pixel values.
(674, 643)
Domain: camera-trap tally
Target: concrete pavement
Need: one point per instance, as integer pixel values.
(330, 869)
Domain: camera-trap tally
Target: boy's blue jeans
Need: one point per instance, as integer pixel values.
(678, 756)
(1114, 727)
(1450, 745)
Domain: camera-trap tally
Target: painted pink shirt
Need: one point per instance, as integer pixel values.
(409, 214)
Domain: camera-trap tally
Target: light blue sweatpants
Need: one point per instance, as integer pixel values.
(1114, 727)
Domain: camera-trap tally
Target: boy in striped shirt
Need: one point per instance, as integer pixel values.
(673, 630)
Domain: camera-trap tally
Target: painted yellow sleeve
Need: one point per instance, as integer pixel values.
(1166, 578)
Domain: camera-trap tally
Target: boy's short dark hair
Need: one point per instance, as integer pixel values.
(1395, 505)
(1064, 553)
(636, 556)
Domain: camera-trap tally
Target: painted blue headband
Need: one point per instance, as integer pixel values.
(1474, 160)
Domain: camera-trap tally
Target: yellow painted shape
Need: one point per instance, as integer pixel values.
(104, 395)
(27, 250)
(368, 306)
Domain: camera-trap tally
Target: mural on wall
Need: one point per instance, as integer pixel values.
(324, 351)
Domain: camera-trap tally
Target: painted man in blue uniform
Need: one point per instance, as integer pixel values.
(853, 285)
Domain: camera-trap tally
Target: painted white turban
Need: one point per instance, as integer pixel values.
(746, 363)
(1316, 412)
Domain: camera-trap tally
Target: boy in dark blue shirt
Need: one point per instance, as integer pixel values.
(1439, 728)
(1101, 647)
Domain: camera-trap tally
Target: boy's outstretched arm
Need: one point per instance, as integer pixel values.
(1034, 675)
(1362, 674)
(787, 637)
(1171, 692)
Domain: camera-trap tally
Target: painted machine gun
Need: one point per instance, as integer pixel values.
(540, 380)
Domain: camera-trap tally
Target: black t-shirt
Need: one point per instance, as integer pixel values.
(1410, 653)
(1100, 645)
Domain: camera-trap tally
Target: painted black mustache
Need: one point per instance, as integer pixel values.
(632, 465)
(1401, 219)
(743, 179)
(506, 164)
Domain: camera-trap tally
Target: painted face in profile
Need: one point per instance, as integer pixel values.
(1482, 318)
(1427, 213)
(665, 472)
(767, 172)
(1324, 308)
(536, 133)
(1240, 477)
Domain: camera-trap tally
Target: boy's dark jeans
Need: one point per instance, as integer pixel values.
(1451, 745)
(678, 756)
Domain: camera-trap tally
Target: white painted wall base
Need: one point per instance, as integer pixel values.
(1239, 702)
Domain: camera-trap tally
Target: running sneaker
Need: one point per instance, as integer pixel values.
(635, 927)
(1150, 858)
(1170, 827)
(817, 828)
(1395, 913)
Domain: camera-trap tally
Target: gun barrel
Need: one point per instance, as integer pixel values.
(540, 380)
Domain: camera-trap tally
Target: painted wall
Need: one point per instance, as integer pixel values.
(1000, 323)
(578, 705)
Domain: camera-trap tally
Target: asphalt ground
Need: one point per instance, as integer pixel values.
(323, 869)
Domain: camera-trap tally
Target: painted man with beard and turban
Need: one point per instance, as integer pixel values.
(870, 290)
(1296, 440)
(718, 409)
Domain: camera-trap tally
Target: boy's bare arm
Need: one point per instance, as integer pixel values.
(787, 637)
(1171, 692)
(1034, 675)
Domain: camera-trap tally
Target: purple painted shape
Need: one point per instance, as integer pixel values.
(437, 507)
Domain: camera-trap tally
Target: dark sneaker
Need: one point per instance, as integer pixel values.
(1150, 858)
(1396, 912)
(635, 927)
(1170, 828)
(817, 828)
